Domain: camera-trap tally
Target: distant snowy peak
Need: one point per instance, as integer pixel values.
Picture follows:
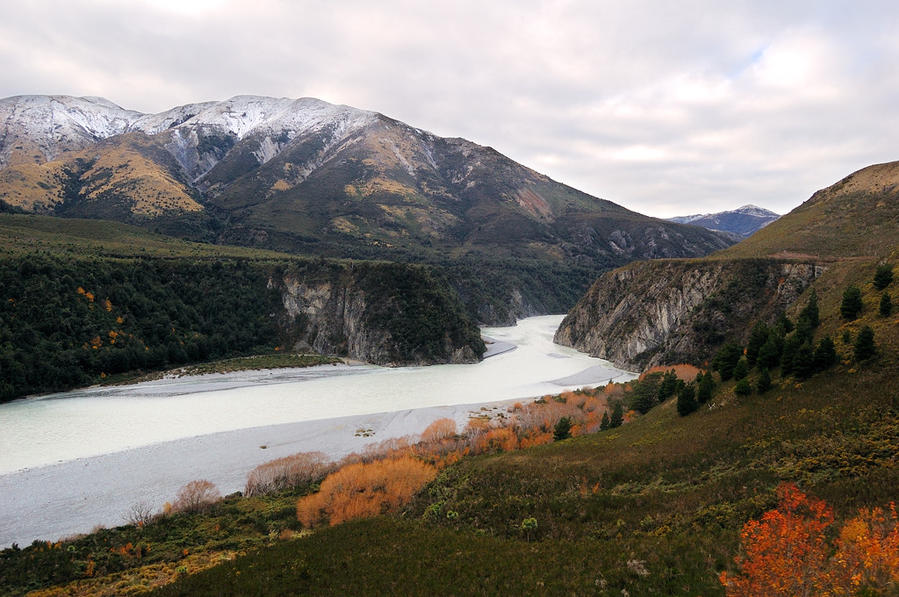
(742, 221)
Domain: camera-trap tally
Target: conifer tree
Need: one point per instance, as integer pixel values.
(788, 356)
(886, 305)
(763, 384)
(884, 276)
(852, 303)
(686, 400)
(864, 344)
(810, 312)
(770, 352)
(617, 415)
(804, 362)
(757, 339)
(825, 354)
(726, 359)
(741, 370)
(705, 388)
(562, 429)
(668, 386)
(604, 423)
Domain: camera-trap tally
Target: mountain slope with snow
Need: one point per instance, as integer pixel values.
(303, 175)
(743, 221)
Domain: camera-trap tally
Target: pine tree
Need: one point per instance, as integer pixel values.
(852, 303)
(686, 400)
(864, 344)
(668, 386)
(617, 415)
(770, 352)
(741, 370)
(825, 354)
(886, 305)
(604, 423)
(883, 277)
(726, 359)
(757, 339)
(562, 429)
(804, 362)
(810, 312)
(788, 356)
(705, 389)
(763, 384)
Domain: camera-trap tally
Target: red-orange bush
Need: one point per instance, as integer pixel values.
(365, 489)
(787, 552)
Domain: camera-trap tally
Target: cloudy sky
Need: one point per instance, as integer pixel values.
(665, 107)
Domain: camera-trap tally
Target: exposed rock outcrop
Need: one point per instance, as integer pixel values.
(656, 312)
(388, 314)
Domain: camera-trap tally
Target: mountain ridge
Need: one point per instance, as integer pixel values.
(741, 222)
(308, 177)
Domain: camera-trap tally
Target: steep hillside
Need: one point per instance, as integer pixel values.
(667, 312)
(856, 217)
(742, 222)
(661, 312)
(311, 177)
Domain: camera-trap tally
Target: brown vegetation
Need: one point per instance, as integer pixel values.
(290, 472)
(196, 496)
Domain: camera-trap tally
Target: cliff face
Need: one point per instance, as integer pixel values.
(659, 312)
(387, 314)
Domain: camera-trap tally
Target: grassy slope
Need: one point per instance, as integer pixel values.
(30, 233)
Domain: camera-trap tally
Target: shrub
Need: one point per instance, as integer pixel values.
(196, 496)
(290, 472)
(361, 490)
(743, 388)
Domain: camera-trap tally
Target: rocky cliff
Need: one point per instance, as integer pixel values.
(660, 312)
(388, 314)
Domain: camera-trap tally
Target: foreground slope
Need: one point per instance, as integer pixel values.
(654, 312)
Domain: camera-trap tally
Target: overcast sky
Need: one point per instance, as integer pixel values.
(665, 107)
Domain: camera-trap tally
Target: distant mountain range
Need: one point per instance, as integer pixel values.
(741, 222)
(306, 176)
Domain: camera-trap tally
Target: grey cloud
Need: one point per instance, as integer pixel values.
(663, 107)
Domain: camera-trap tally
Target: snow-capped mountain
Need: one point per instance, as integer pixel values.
(742, 222)
(305, 175)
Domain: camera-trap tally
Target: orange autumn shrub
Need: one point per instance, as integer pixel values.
(439, 430)
(867, 553)
(787, 552)
(365, 489)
